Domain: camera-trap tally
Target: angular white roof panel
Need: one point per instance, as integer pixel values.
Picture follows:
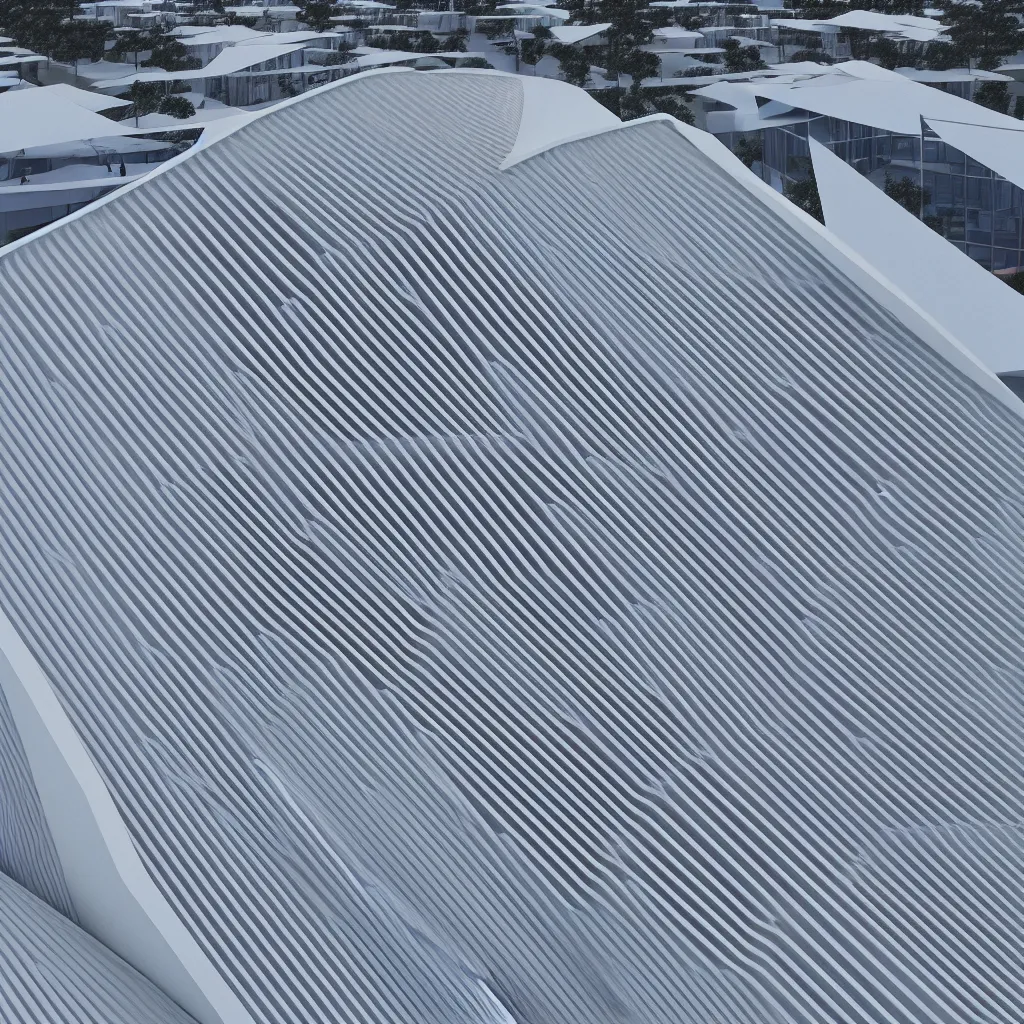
(583, 592)
(983, 313)
(229, 61)
(894, 104)
(228, 35)
(553, 113)
(577, 33)
(920, 29)
(85, 98)
(45, 116)
(803, 25)
(998, 149)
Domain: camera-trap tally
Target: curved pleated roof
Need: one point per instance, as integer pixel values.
(450, 583)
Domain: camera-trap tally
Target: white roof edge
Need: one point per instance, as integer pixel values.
(876, 285)
(540, 131)
(514, 159)
(116, 898)
(213, 133)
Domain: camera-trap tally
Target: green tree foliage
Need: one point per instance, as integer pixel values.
(573, 62)
(816, 10)
(641, 64)
(994, 95)
(391, 41)
(145, 98)
(46, 26)
(316, 14)
(695, 71)
(821, 10)
(177, 106)
(531, 50)
(128, 45)
(1016, 281)
(342, 55)
(79, 41)
(630, 29)
(476, 62)
(457, 40)
(887, 53)
(805, 195)
(749, 149)
(168, 52)
(632, 105)
(427, 43)
(668, 101)
(908, 193)
(983, 32)
(497, 29)
(816, 56)
(1018, 108)
(742, 58)
(634, 102)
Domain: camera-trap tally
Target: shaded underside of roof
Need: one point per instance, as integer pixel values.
(488, 597)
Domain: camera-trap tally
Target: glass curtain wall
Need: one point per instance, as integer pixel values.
(967, 203)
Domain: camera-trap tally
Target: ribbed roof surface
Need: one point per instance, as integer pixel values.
(551, 594)
(52, 972)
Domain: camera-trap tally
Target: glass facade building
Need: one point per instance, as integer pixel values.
(966, 202)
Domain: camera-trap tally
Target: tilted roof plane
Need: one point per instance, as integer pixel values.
(450, 583)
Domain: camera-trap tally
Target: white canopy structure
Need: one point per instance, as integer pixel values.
(230, 61)
(1000, 149)
(978, 309)
(890, 102)
(50, 115)
(84, 98)
(905, 26)
(575, 35)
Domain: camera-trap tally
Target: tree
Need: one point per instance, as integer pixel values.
(817, 56)
(497, 29)
(994, 95)
(316, 14)
(342, 55)
(133, 42)
(695, 71)
(749, 149)
(984, 32)
(476, 62)
(821, 10)
(177, 106)
(78, 41)
(426, 43)
(457, 41)
(145, 97)
(908, 193)
(630, 29)
(805, 195)
(168, 52)
(572, 62)
(668, 102)
(531, 50)
(46, 26)
(641, 64)
(1018, 108)
(632, 105)
(887, 53)
(742, 58)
